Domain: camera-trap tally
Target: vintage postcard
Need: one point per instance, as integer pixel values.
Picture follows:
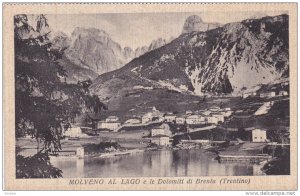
(179, 96)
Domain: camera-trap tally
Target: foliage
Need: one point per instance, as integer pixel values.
(37, 166)
(279, 165)
(44, 102)
(101, 147)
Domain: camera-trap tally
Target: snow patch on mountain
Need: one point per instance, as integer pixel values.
(194, 77)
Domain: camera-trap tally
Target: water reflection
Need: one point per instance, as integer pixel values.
(153, 164)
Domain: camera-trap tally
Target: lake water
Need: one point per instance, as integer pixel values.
(180, 163)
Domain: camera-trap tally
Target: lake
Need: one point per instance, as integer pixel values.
(167, 163)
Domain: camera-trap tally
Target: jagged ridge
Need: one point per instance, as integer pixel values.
(222, 60)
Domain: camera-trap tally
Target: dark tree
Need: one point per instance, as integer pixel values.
(44, 103)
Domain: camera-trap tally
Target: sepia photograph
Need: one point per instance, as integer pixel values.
(152, 95)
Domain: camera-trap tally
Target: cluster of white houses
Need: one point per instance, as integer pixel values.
(213, 115)
(161, 135)
(110, 123)
(268, 94)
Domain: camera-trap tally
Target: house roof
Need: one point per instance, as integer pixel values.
(194, 116)
(159, 135)
(182, 116)
(110, 122)
(258, 130)
(169, 115)
(102, 115)
(112, 117)
(216, 114)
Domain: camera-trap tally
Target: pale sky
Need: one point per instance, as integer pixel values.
(139, 29)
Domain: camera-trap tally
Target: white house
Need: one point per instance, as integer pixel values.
(108, 125)
(73, 132)
(267, 94)
(170, 118)
(283, 93)
(188, 112)
(195, 119)
(112, 119)
(226, 113)
(206, 112)
(248, 94)
(161, 140)
(211, 120)
(111, 123)
(163, 129)
(147, 117)
(180, 120)
(157, 131)
(154, 113)
(219, 116)
(259, 135)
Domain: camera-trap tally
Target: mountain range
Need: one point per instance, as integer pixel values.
(205, 59)
(227, 59)
(94, 52)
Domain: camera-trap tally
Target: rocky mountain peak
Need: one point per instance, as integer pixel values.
(194, 19)
(194, 23)
(93, 49)
(89, 32)
(42, 25)
(24, 30)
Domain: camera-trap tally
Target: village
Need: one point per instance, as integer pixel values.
(221, 131)
(173, 131)
(160, 134)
